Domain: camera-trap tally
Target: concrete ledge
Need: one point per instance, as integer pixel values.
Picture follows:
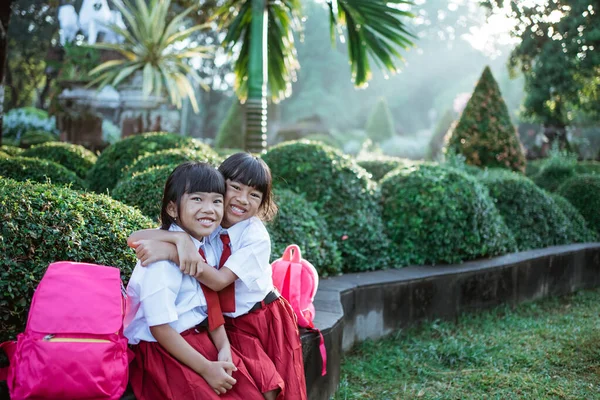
(354, 307)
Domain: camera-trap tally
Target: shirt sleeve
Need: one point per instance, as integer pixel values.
(158, 292)
(251, 260)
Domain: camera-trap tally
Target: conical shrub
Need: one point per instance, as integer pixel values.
(484, 134)
(380, 125)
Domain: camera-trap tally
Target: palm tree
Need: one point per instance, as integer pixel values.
(263, 31)
(153, 46)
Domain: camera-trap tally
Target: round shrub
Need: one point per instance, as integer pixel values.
(144, 190)
(579, 231)
(169, 157)
(342, 194)
(437, 214)
(380, 166)
(533, 167)
(44, 223)
(107, 170)
(552, 176)
(23, 168)
(297, 222)
(535, 220)
(3, 154)
(71, 156)
(12, 150)
(588, 167)
(32, 138)
(583, 191)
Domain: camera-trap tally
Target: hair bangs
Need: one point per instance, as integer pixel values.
(247, 170)
(204, 180)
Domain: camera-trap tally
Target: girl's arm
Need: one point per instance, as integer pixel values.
(219, 338)
(216, 373)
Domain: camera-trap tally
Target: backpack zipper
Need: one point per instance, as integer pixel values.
(52, 338)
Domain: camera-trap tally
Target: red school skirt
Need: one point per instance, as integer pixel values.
(155, 375)
(276, 329)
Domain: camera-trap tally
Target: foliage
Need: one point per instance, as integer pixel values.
(540, 350)
(436, 144)
(484, 134)
(583, 191)
(579, 231)
(588, 167)
(555, 170)
(379, 166)
(20, 120)
(111, 133)
(380, 125)
(144, 190)
(44, 223)
(72, 156)
(3, 154)
(533, 167)
(297, 222)
(78, 62)
(535, 220)
(107, 170)
(169, 157)
(231, 131)
(23, 168)
(410, 147)
(32, 138)
(342, 194)
(557, 54)
(12, 150)
(154, 47)
(441, 215)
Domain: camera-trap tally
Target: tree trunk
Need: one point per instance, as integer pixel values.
(5, 6)
(256, 105)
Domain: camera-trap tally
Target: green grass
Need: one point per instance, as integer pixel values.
(544, 350)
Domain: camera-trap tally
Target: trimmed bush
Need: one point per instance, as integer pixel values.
(380, 125)
(12, 150)
(438, 214)
(533, 167)
(583, 191)
(436, 143)
(579, 232)
(380, 166)
(144, 190)
(342, 194)
(588, 167)
(535, 220)
(297, 222)
(71, 156)
(3, 154)
(45, 223)
(169, 157)
(32, 138)
(484, 134)
(231, 131)
(23, 168)
(556, 169)
(107, 170)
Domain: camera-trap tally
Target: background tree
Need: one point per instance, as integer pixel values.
(5, 10)
(484, 134)
(380, 125)
(231, 132)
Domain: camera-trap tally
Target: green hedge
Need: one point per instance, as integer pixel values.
(45, 223)
(552, 176)
(579, 232)
(437, 214)
(297, 222)
(144, 190)
(380, 166)
(32, 138)
(535, 220)
(583, 191)
(342, 194)
(588, 167)
(169, 157)
(3, 154)
(12, 150)
(107, 170)
(533, 167)
(71, 156)
(23, 168)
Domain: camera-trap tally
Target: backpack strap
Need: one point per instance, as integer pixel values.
(322, 349)
(9, 348)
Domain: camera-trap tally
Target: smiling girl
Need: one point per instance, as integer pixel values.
(255, 311)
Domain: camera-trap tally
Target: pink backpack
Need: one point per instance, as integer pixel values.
(73, 346)
(297, 281)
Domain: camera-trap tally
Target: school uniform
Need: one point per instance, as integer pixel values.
(260, 313)
(161, 294)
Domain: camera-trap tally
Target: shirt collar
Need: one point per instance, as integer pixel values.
(197, 243)
(235, 231)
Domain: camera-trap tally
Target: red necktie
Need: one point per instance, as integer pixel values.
(227, 295)
(215, 315)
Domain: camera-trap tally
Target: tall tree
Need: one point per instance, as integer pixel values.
(5, 9)
(263, 32)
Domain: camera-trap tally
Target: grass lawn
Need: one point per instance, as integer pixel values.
(549, 349)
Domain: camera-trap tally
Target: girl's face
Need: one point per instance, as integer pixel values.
(241, 202)
(200, 213)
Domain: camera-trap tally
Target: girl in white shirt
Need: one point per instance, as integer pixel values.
(176, 356)
(260, 313)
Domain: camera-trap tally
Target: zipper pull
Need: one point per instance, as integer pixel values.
(48, 337)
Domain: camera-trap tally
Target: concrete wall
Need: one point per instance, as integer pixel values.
(354, 307)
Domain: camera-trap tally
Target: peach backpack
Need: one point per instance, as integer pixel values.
(297, 281)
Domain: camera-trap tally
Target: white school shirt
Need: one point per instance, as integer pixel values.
(249, 260)
(161, 294)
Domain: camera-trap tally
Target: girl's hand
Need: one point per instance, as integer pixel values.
(189, 259)
(225, 355)
(150, 251)
(217, 377)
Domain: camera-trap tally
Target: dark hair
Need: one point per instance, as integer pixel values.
(252, 171)
(189, 177)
